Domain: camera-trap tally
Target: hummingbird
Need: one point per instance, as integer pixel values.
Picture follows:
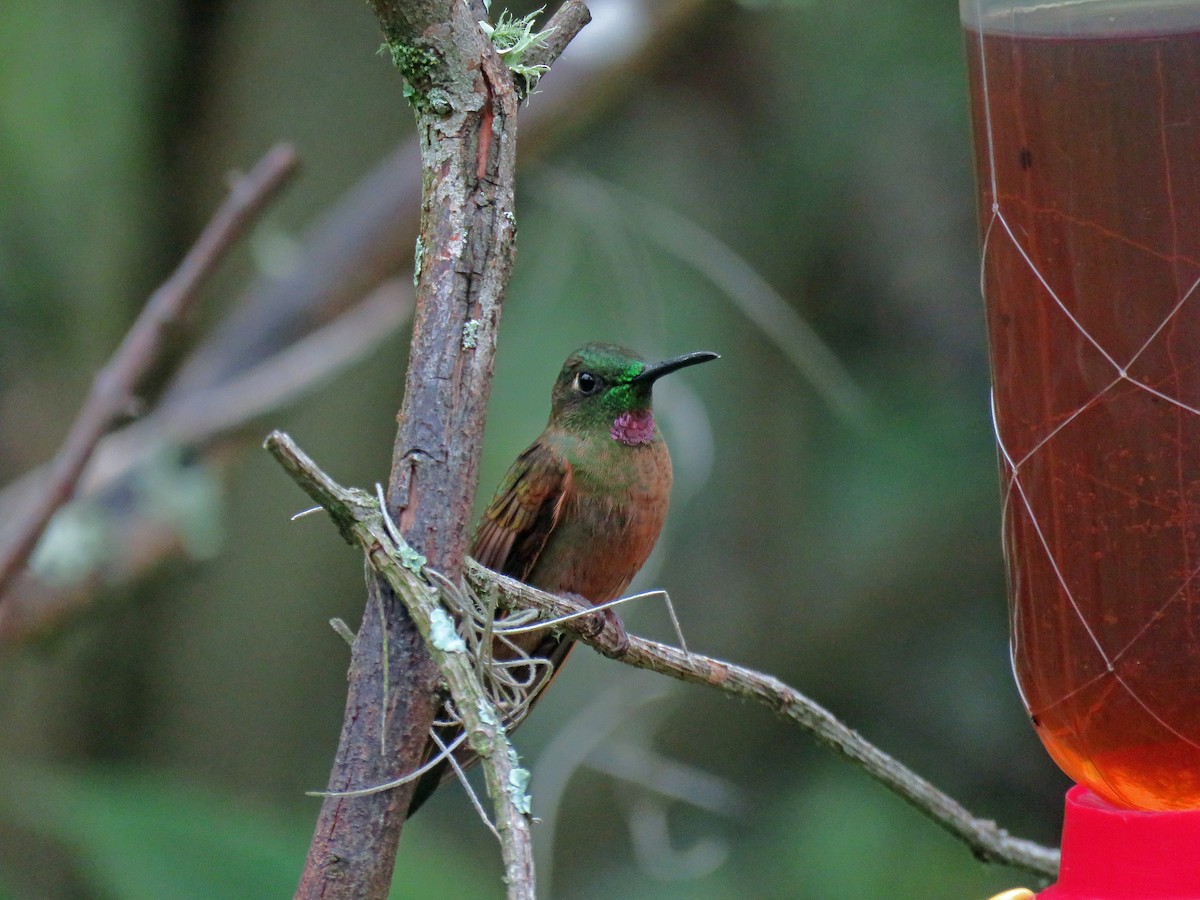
(580, 509)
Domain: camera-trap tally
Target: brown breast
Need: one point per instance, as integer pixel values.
(609, 522)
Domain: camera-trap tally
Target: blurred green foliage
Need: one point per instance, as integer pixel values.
(145, 836)
(827, 145)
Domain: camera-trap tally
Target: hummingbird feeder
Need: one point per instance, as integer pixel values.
(1086, 123)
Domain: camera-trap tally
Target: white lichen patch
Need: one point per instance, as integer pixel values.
(471, 334)
(442, 634)
(518, 790)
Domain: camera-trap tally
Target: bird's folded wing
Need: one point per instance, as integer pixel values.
(517, 523)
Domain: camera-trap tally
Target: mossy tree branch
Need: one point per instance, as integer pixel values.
(360, 522)
(985, 839)
(465, 102)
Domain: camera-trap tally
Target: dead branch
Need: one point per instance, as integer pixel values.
(568, 20)
(34, 607)
(985, 839)
(113, 393)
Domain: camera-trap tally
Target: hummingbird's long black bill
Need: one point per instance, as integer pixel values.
(657, 370)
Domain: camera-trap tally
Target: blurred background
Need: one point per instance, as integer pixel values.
(789, 184)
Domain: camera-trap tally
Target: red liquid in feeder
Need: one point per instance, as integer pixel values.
(1088, 152)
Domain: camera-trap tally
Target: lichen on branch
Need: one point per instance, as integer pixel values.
(362, 521)
(417, 65)
(985, 839)
(515, 37)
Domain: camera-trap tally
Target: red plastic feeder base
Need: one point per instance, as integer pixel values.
(1110, 853)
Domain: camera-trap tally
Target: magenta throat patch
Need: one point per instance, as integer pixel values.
(633, 428)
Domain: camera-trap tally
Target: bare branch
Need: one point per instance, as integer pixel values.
(568, 20)
(986, 840)
(292, 372)
(113, 392)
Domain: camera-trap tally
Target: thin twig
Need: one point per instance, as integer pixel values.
(537, 624)
(448, 755)
(113, 391)
(446, 752)
(985, 839)
(355, 513)
(293, 371)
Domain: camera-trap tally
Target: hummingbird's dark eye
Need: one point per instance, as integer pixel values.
(587, 383)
